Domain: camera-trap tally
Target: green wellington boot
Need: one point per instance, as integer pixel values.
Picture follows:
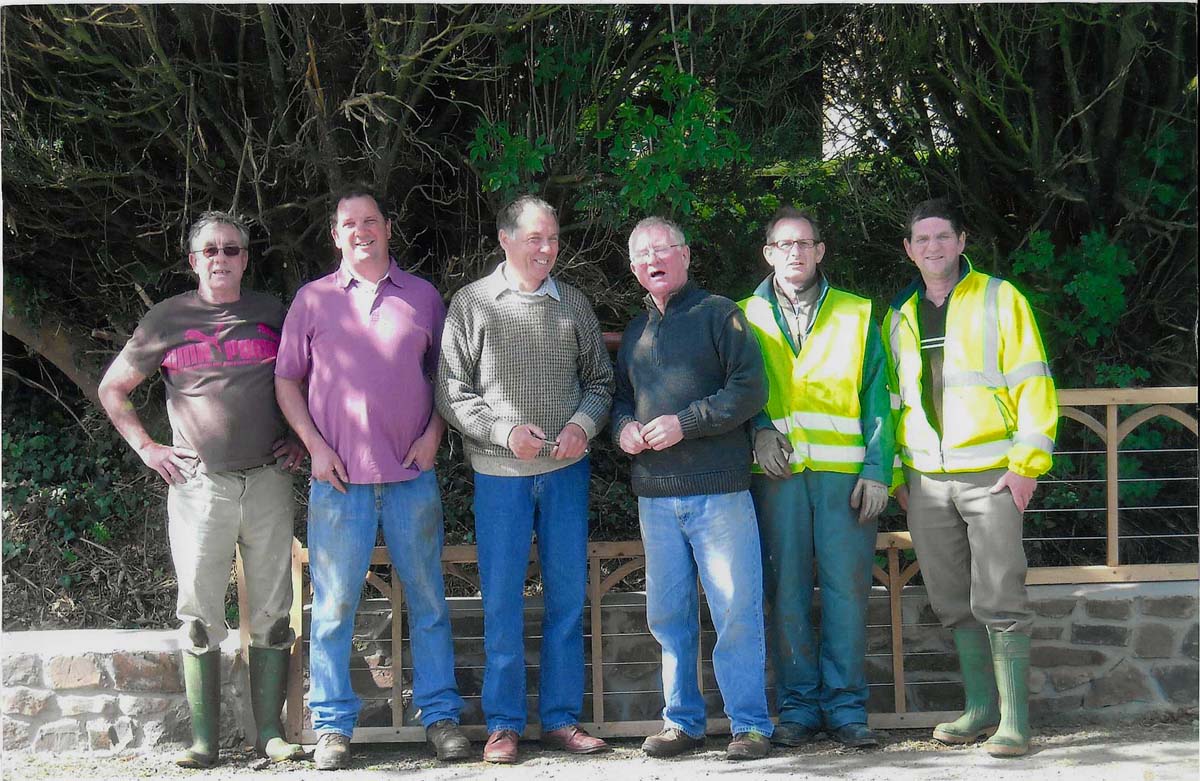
(1010, 655)
(982, 712)
(202, 683)
(268, 685)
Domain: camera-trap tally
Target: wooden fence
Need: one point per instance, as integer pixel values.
(610, 563)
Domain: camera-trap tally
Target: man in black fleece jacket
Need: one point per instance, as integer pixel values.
(689, 377)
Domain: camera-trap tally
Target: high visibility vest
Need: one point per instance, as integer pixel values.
(999, 405)
(814, 396)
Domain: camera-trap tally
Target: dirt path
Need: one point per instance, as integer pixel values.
(1132, 752)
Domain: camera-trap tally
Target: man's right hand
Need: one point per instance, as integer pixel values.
(328, 468)
(173, 464)
(526, 441)
(771, 450)
(902, 497)
(631, 438)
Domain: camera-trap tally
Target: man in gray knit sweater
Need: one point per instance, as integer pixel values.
(525, 377)
(689, 377)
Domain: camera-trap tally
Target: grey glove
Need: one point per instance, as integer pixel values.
(869, 498)
(771, 451)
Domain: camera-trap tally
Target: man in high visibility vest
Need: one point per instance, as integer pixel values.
(977, 419)
(824, 448)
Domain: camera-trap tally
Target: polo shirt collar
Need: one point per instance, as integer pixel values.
(344, 277)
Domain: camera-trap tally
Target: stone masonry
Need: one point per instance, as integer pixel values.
(1106, 651)
(105, 690)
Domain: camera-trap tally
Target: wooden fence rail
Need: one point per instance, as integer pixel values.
(610, 563)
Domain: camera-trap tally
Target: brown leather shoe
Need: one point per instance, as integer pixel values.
(670, 742)
(501, 748)
(748, 745)
(573, 739)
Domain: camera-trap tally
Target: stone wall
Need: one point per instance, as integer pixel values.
(106, 690)
(1099, 651)
(1115, 648)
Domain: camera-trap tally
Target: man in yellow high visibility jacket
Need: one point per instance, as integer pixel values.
(824, 447)
(977, 415)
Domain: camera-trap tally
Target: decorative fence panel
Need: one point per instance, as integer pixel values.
(617, 644)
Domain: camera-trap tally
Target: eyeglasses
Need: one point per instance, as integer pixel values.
(658, 252)
(211, 252)
(787, 244)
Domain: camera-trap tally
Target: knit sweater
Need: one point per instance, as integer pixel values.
(511, 358)
(700, 362)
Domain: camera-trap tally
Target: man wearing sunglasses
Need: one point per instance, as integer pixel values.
(216, 347)
(526, 380)
(355, 379)
(824, 446)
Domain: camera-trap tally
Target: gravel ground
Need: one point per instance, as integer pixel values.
(1127, 752)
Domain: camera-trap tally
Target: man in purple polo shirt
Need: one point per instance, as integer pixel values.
(354, 379)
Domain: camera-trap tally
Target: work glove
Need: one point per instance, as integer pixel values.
(869, 497)
(771, 451)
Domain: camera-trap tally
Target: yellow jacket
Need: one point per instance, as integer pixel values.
(999, 406)
(830, 396)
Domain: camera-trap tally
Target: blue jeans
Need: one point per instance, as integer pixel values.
(508, 511)
(820, 684)
(341, 536)
(715, 536)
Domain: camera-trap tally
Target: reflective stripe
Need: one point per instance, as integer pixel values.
(816, 421)
(821, 422)
(1038, 441)
(961, 458)
(895, 400)
(991, 331)
(1022, 373)
(894, 334)
(970, 379)
(805, 453)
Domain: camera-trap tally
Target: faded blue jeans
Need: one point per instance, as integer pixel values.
(820, 684)
(508, 512)
(716, 537)
(341, 536)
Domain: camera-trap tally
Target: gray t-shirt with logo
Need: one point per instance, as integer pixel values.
(218, 363)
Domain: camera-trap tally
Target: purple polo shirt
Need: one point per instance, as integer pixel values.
(369, 358)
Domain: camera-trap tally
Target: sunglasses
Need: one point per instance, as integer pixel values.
(212, 252)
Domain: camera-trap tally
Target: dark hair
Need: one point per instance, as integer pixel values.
(354, 191)
(507, 217)
(218, 218)
(939, 208)
(792, 213)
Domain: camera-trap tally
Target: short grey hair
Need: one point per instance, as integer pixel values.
(508, 217)
(676, 232)
(219, 218)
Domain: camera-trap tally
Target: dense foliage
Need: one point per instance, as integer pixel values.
(1068, 133)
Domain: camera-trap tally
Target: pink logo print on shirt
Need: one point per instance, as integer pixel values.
(206, 351)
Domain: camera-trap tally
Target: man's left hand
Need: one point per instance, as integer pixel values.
(869, 497)
(1022, 488)
(572, 442)
(291, 451)
(423, 452)
(662, 432)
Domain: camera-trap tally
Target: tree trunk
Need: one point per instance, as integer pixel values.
(51, 338)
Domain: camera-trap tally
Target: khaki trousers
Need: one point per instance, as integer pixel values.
(207, 516)
(968, 542)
